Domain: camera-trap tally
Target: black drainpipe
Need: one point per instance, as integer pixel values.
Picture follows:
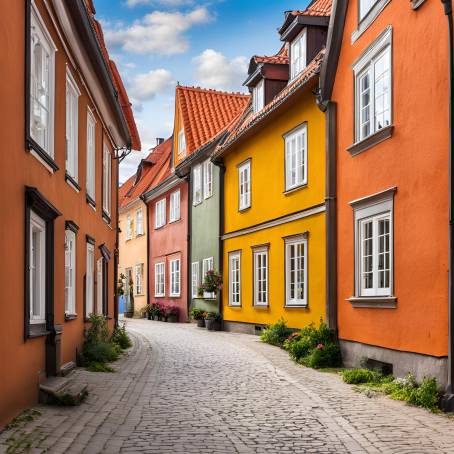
(221, 232)
(448, 398)
(189, 265)
(148, 251)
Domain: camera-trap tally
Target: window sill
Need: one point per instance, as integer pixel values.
(368, 19)
(371, 141)
(207, 197)
(37, 330)
(235, 306)
(90, 201)
(296, 188)
(375, 302)
(203, 298)
(41, 155)
(197, 203)
(106, 217)
(296, 306)
(259, 306)
(72, 182)
(415, 4)
(175, 220)
(159, 227)
(69, 317)
(175, 295)
(242, 210)
(159, 296)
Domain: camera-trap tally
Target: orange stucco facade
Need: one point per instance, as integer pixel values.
(414, 160)
(24, 358)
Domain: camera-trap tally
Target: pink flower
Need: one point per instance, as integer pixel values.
(320, 347)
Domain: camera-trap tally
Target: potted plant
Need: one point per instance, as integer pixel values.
(200, 292)
(172, 313)
(198, 315)
(213, 321)
(129, 313)
(212, 282)
(146, 311)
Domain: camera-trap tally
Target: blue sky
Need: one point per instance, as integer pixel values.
(157, 43)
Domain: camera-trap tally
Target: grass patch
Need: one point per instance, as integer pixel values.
(99, 367)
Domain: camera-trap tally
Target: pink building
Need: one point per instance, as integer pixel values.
(167, 207)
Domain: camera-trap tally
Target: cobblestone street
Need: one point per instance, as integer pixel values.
(181, 389)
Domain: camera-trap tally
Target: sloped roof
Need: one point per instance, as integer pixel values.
(206, 112)
(250, 119)
(316, 8)
(150, 172)
(281, 58)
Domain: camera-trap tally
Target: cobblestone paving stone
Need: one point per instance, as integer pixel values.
(181, 389)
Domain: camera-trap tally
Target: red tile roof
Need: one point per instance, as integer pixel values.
(116, 79)
(316, 8)
(206, 113)
(150, 172)
(250, 120)
(281, 58)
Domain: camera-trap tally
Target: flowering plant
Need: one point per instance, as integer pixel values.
(320, 346)
(212, 282)
(198, 314)
(212, 316)
(172, 310)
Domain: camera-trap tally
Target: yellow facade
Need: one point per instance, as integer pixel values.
(265, 147)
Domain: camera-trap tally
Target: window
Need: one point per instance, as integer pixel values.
(175, 277)
(296, 271)
(70, 272)
(296, 158)
(139, 279)
(139, 222)
(37, 263)
(181, 142)
(207, 265)
(298, 54)
(235, 278)
(258, 96)
(129, 227)
(364, 7)
(373, 88)
(90, 183)
(197, 194)
(244, 181)
(107, 181)
(89, 280)
(159, 279)
(373, 245)
(260, 256)
(72, 112)
(195, 280)
(160, 213)
(208, 179)
(99, 286)
(42, 84)
(175, 206)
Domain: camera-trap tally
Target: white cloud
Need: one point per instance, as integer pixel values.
(144, 87)
(158, 32)
(215, 70)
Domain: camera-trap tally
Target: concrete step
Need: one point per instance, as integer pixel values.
(62, 391)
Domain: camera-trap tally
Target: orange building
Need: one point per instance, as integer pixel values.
(65, 120)
(384, 87)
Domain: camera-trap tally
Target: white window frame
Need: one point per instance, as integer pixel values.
(290, 243)
(374, 208)
(128, 227)
(91, 155)
(160, 213)
(72, 128)
(207, 265)
(364, 8)
(138, 271)
(298, 54)
(207, 179)
(295, 143)
(37, 269)
(159, 279)
(195, 279)
(197, 187)
(107, 181)
(174, 206)
(139, 222)
(365, 66)
(175, 277)
(181, 142)
(258, 96)
(99, 286)
(261, 276)
(234, 273)
(90, 280)
(39, 33)
(244, 185)
(70, 272)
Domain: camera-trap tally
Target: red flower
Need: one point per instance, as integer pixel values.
(320, 347)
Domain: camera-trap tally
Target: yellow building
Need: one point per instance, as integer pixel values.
(274, 250)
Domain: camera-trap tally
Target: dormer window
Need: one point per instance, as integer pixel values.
(181, 142)
(258, 96)
(298, 54)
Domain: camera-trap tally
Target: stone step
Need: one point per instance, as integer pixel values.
(62, 391)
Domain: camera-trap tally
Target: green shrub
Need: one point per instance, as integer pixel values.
(197, 314)
(357, 376)
(324, 355)
(300, 348)
(99, 367)
(276, 334)
(121, 338)
(426, 394)
(102, 352)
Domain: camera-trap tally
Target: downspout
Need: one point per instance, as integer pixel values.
(448, 399)
(117, 244)
(189, 248)
(148, 251)
(221, 233)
